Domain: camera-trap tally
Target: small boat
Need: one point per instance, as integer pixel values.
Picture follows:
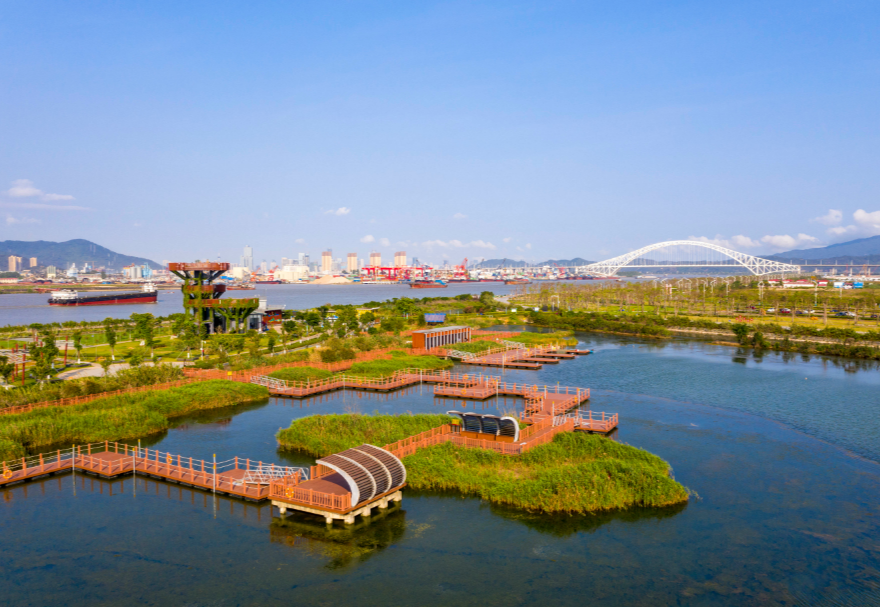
(517, 281)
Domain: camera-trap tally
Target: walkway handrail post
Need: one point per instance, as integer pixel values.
(215, 473)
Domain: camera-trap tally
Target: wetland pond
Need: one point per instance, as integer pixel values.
(781, 452)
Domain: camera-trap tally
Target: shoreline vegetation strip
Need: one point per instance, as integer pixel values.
(117, 417)
(577, 473)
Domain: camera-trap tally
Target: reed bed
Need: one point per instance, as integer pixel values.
(399, 361)
(530, 339)
(117, 417)
(322, 435)
(301, 374)
(476, 347)
(576, 473)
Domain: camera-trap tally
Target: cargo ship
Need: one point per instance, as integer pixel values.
(427, 284)
(69, 297)
(517, 281)
(268, 282)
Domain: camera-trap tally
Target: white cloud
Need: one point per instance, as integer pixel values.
(384, 242)
(785, 242)
(833, 217)
(744, 241)
(867, 220)
(24, 188)
(508, 239)
(735, 242)
(866, 224)
(300, 241)
(368, 238)
(457, 244)
(459, 216)
(10, 220)
(338, 212)
(528, 246)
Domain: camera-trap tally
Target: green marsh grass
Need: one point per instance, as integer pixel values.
(117, 417)
(321, 435)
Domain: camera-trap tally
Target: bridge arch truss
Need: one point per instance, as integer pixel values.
(758, 266)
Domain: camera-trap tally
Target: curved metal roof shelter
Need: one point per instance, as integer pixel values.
(488, 424)
(368, 470)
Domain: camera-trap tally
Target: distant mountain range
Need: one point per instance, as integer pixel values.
(511, 263)
(62, 254)
(861, 250)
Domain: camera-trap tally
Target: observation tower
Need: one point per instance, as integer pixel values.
(201, 296)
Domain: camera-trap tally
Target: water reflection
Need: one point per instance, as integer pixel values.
(564, 525)
(342, 546)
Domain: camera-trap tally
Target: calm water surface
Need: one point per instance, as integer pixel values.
(786, 513)
(24, 308)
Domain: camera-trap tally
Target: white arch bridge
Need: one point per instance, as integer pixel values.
(688, 254)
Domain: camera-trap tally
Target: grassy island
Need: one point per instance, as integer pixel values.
(373, 368)
(117, 417)
(576, 473)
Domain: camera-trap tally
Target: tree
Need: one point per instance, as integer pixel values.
(110, 334)
(44, 355)
(77, 344)
(741, 330)
(7, 369)
(144, 326)
(136, 357)
(253, 344)
(105, 364)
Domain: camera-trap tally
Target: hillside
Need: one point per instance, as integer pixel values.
(860, 249)
(511, 263)
(62, 254)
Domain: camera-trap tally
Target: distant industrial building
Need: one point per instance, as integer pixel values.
(14, 263)
(375, 258)
(352, 265)
(247, 260)
(400, 259)
(327, 261)
(135, 272)
(292, 273)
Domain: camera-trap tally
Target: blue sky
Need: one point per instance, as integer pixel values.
(181, 130)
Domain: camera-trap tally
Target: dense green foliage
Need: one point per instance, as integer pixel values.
(478, 346)
(398, 361)
(576, 473)
(644, 325)
(532, 339)
(117, 417)
(321, 435)
(300, 374)
(129, 378)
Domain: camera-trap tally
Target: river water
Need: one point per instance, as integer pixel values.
(781, 453)
(25, 308)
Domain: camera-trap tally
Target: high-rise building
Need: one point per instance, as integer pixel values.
(327, 261)
(33, 262)
(264, 266)
(286, 262)
(352, 265)
(375, 258)
(51, 272)
(400, 259)
(14, 263)
(247, 260)
(303, 259)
